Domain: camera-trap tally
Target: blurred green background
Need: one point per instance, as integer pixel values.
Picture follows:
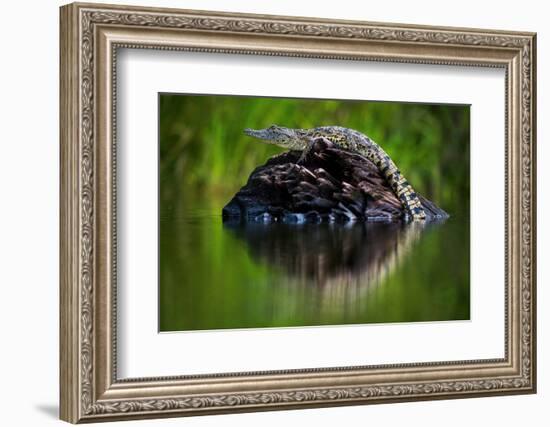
(210, 276)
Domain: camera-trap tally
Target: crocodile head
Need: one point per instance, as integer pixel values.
(278, 135)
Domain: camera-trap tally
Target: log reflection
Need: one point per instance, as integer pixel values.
(342, 261)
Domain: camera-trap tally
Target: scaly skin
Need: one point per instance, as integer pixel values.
(351, 140)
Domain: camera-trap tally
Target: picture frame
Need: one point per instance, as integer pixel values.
(91, 36)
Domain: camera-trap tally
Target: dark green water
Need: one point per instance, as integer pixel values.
(216, 276)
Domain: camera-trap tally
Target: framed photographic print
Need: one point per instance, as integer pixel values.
(266, 212)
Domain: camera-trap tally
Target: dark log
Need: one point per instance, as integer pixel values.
(330, 185)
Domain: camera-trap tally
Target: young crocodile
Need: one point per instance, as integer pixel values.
(347, 139)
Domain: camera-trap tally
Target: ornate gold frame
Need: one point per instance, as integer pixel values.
(90, 36)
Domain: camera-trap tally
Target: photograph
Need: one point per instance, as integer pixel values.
(286, 212)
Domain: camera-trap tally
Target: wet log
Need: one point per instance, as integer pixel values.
(330, 185)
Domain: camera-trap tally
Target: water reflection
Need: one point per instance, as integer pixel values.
(216, 275)
(351, 257)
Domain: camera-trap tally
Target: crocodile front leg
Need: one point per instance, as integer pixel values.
(306, 151)
(310, 142)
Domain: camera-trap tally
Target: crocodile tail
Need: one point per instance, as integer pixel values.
(401, 187)
(403, 190)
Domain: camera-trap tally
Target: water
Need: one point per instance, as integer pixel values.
(217, 276)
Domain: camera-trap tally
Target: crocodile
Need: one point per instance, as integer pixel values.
(351, 140)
